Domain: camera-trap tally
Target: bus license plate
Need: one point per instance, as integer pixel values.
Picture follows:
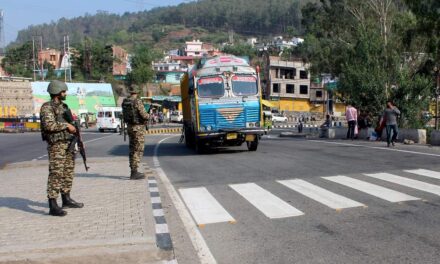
(231, 136)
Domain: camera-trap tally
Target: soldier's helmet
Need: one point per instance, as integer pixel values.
(133, 89)
(56, 87)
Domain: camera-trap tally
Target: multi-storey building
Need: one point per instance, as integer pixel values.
(52, 56)
(194, 48)
(288, 86)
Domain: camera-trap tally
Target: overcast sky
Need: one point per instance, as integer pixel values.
(19, 14)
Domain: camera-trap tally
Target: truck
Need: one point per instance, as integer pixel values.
(222, 104)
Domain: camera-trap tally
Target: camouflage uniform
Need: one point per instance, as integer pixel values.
(61, 160)
(135, 129)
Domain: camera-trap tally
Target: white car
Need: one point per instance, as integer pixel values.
(278, 118)
(176, 116)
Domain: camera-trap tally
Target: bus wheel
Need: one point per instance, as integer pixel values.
(252, 145)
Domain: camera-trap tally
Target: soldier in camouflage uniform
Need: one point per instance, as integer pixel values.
(57, 132)
(135, 117)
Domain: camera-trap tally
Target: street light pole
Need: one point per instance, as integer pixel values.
(437, 93)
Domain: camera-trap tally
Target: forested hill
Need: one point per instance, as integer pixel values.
(245, 17)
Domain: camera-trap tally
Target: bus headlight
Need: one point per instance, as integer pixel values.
(250, 124)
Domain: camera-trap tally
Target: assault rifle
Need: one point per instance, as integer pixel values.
(124, 129)
(77, 139)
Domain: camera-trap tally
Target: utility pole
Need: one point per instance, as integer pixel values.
(87, 59)
(2, 32)
(41, 52)
(437, 94)
(38, 66)
(33, 57)
(66, 59)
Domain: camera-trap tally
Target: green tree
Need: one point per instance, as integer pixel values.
(364, 45)
(93, 61)
(241, 50)
(18, 61)
(142, 71)
(50, 75)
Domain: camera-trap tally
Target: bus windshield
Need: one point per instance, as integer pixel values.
(244, 85)
(211, 87)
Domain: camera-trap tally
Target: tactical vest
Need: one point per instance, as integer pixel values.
(130, 113)
(53, 137)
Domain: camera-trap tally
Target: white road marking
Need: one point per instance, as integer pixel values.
(92, 140)
(269, 204)
(204, 207)
(382, 148)
(319, 194)
(154, 189)
(96, 139)
(418, 185)
(162, 229)
(372, 189)
(152, 182)
(155, 200)
(158, 212)
(426, 173)
(196, 238)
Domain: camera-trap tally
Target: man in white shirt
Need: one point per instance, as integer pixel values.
(351, 116)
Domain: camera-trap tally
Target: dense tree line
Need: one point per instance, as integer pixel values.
(378, 49)
(247, 17)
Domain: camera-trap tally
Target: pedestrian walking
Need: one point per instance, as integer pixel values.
(58, 133)
(136, 118)
(351, 116)
(390, 116)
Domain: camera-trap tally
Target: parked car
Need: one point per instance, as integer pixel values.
(176, 116)
(278, 118)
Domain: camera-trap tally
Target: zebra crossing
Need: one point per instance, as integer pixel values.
(206, 209)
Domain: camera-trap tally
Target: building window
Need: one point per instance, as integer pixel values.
(276, 87)
(290, 88)
(303, 75)
(285, 73)
(318, 93)
(52, 57)
(303, 89)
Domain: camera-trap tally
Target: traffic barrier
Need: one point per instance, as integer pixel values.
(174, 130)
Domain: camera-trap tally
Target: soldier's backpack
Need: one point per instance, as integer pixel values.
(129, 112)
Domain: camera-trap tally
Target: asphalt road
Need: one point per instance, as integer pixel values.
(17, 147)
(379, 232)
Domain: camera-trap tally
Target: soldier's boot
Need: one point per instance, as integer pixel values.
(135, 175)
(54, 209)
(69, 202)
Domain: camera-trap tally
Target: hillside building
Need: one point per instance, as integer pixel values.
(121, 64)
(52, 56)
(289, 89)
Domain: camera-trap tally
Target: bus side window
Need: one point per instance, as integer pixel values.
(108, 114)
(100, 114)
